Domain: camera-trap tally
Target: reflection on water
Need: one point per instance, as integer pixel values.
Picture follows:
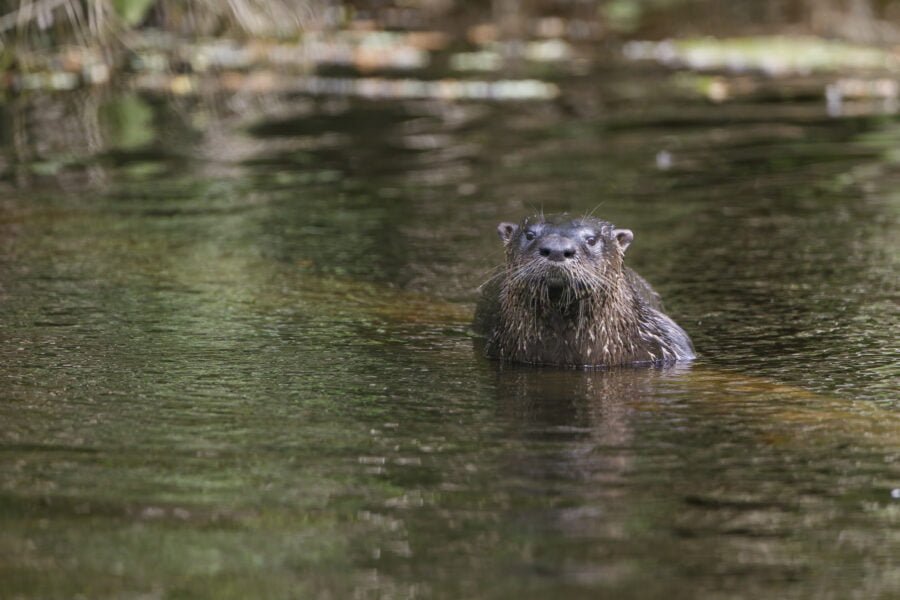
(236, 358)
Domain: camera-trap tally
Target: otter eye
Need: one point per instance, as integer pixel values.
(590, 240)
(529, 235)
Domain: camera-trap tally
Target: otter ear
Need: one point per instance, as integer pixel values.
(623, 238)
(506, 231)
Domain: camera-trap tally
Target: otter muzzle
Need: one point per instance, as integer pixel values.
(557, 248)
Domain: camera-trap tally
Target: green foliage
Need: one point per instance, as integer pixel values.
(128, 122)
(623, 15)
(132, 11)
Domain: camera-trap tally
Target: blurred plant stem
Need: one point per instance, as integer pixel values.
(38, 23)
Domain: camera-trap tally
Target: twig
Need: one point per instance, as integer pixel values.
(28, 12)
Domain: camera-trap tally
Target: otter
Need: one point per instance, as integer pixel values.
(566, 298)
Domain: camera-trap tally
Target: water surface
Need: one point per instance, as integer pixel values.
(236, 360)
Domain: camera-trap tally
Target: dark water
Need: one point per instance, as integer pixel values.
(236, 362)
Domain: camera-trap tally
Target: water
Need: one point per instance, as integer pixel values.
(236, 360)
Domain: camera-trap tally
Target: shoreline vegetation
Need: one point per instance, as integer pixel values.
(502, 50)
(100, 63)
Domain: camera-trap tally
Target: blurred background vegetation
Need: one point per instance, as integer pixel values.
(76, 42)
(44, 23)
(230, 60)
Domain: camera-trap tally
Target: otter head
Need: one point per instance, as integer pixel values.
(560, 259)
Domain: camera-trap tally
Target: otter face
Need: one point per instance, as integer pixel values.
(559, 238)
(559, 255)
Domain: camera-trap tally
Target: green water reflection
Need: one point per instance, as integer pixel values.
(236, 360)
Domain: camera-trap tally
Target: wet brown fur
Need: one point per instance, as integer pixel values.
(589, 310)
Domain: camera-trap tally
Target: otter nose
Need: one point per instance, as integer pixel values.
(557, 248)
